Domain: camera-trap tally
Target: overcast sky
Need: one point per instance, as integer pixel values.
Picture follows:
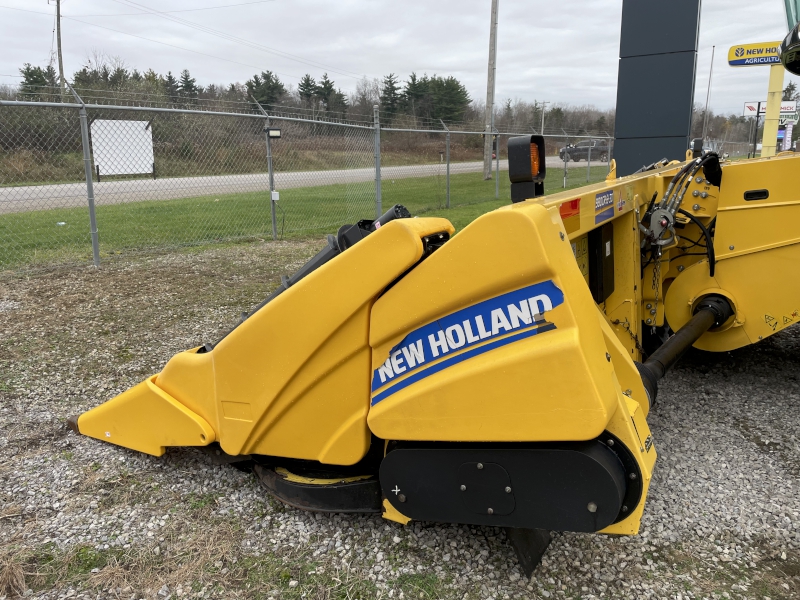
(565, 51)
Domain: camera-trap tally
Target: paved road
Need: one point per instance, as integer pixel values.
(69, 195)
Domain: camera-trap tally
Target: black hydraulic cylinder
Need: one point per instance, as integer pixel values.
(712, 311)
(398, 211)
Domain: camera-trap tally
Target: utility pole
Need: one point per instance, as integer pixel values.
(60, 59)
(488, 130)
(543, 106)
(708, 94)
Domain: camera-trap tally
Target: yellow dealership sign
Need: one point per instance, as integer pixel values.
(753, 55)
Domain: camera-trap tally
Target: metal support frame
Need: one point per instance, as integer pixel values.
(378, 209)
(447, 158)
(566, 155)
(496, 135)
(755, 131)
(87, 167)
(272, 207)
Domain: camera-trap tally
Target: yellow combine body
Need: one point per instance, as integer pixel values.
(495, 378)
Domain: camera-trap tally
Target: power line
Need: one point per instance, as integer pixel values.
(233, 38)
(179, 11)
(173, 45)
(151, 40)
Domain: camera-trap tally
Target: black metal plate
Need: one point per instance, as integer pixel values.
(486, 488)
(555, 486)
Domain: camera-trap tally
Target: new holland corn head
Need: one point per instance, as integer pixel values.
(496, 377)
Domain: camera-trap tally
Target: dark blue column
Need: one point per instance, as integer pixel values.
(655, 87)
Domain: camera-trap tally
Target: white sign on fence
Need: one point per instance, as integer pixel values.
(122, 147)
(788, 107)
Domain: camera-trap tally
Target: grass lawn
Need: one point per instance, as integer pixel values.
(62, 235)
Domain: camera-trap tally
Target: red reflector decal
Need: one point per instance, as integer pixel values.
(570, 208)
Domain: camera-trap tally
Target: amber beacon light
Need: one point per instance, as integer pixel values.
(526, 167)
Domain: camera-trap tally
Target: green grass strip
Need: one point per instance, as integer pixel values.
(61, 235)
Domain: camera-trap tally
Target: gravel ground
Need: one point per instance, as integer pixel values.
(84, 519)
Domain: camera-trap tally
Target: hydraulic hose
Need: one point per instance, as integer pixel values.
(712, 257)
(712, 311)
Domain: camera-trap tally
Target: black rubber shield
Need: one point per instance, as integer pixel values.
(574, 486)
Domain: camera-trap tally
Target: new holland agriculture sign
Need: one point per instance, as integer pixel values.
(752, 55)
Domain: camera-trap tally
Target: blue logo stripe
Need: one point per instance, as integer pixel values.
(514, 311)
(604, 216)
(459, 358)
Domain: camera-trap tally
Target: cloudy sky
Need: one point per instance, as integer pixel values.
(563, 51)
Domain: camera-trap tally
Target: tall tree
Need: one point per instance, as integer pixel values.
(171, 86)
(324, 91)
(266, 88)
(118, 77)
(306, 89)
(450, 98)
(36, 80)
(390, 96)
(415, 91)
(790, 92)
(187, 86)
(337, 103)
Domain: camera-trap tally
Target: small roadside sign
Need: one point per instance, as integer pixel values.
(752, 109)
(754, 55)
(789, 120)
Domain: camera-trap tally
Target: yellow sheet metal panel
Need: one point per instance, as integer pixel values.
(293, 380)
(490, 375)
(757, 244)
(390, 513)
(629, 425)
(623, 307)
(189, 378)
(745, 226)
(147, 419)
(301, 363)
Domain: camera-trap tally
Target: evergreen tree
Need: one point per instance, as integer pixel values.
(36, 80)
(390, 96)
(449, 97)
(171, 86)
(600, 124)
(790, 92)
(414, 93)
(555, 117)
(338, 103)
(306, 89)
(266, 88)
(187, 86)
(151, 77)
(324, 91)
(508, 112)
(118, 77)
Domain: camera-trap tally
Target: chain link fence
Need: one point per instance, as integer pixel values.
(160, 178)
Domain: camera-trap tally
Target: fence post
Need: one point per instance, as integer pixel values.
(269, 170)
(447, 156)
(566, 154)
(497, 165)
(589, 162)
(273, 213)
(378, 209)
(87, 167)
